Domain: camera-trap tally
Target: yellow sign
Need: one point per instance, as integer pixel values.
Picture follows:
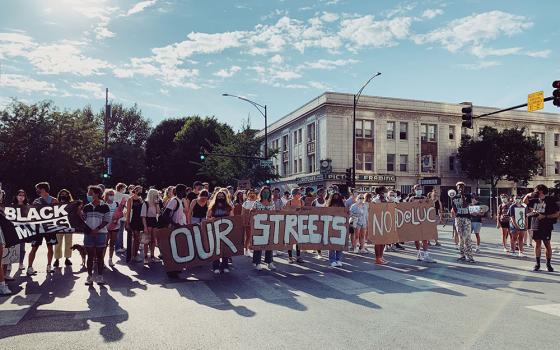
(535, 101)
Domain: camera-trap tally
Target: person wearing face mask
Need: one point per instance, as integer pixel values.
(517, 228)
(502, 221)
(43, 189)
(263, 203)
(220, 207)
(335, 256)
(116, 212)
(460, 210)
(277, 199)
(121, 197)
(421, 255)
(381, 196)
(134, 224)
(295, 202)
(247, 206)
(543, 212)
(358, 220)
(394, 197)
(476, 223)
(64, 196)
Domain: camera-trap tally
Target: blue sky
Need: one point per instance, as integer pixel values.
(176, 58)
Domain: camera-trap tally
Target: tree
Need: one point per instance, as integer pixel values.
(494, 156)
(227, 170)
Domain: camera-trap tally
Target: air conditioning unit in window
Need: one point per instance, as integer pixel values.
(427, 163)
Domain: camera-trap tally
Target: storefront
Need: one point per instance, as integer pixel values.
(429, 183)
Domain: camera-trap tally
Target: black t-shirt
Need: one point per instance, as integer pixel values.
(546, 206)
(191, 196)
(461, 205)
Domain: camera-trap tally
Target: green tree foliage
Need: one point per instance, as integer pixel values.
(494, 156)
(222, 170)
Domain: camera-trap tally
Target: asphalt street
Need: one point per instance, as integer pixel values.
(498, 303)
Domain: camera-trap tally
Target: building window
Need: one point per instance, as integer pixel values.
(359, 129)
(557, 168)
(295, 137)
(295, 166)
(405, 190)
(452, 132)
(368, 129)
(285, 143)
(300, 132)
(428, 132)
(300, 166)
(556, 140)
(390, 162)
(403, 134)
(311, 163)
(540, 137)
(311, 132)
(368, 161)
(403, 164)
(451, 163)
(359, 161)
(390, 130)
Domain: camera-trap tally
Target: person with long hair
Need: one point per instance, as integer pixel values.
(168, 193)
(295, 202)
(358, 220)
(116, 213)
(238, 200)
(502, 220)
(134, 221)
(97, 216)
(264, 202)
(64, 196)
(219, 207)
(247, 206)
(150, 212)
(335, 256)
(20, 201)
(380, 197)
(199, 208)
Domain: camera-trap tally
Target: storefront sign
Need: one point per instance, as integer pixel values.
(376, 178)
(430, 181)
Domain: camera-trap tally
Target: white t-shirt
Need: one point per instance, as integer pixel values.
(179, 217)
(119, 197)
(319, 205)
(248, 205)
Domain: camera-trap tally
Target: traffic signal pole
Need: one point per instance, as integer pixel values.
(509, 109)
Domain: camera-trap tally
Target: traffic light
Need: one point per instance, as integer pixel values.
(349, 177)
(202, 156)
(105, 175)
(556, 93)
(467, 116)
(267, 182)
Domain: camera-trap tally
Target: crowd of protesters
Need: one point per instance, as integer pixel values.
(110, 212)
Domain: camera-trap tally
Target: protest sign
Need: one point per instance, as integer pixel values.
(24, 224)
(401, 222)
(520, 217)
(200, 244)
(311, 228)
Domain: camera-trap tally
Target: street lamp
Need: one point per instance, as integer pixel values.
(356, 98)
(262, 110)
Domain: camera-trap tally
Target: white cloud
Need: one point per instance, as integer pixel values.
(329, 17)
(480, 65)
(319, 86)
(481, 52)
(141, 6)
(276, 59)
(539, 54)
(93, 90)
(330, 64)
(227, 73)
(14, 44)
(366, 31)
(431, 13)
(284, 75)
(475, 30)
(26, 84)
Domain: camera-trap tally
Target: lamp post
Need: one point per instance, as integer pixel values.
(262, 111)
(356, 99)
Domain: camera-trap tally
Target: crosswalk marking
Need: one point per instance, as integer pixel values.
(551, 309)
(464, 276)
(341, 284)
(417, 282)
(15, 307)
(271, 288)
(197, 291)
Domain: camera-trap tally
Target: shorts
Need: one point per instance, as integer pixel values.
(504, 224)
(542, 235)
(50, 239)
(476, 227)
(151, 222)
(95, 241)
(361, 226)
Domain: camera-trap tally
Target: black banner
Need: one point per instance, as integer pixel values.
(32, 221)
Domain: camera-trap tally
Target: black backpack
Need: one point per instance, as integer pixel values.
(166, 218)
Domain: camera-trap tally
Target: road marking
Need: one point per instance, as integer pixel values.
(551, 309)
(418, 282)
(341, 284)
(197, 291)
(15, 307)
(270, 288)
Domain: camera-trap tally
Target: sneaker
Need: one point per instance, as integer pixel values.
(398, 246)
(339, 263)
(537, 267)
(505, 250)
(334, 264)
(521, 255)
(89, 281)
(420, 256)
(121, 250)
(100, 280)
(21, 267)
(356, 249)
(271, 266)
(216, 272)
(258, 267)
(461, 258)
(226, 270)
(56, 263)
(300, 260)
(67, 262)
(428, 258)
(438, 244)
(471, 261)
(549, 268)
(49, 269)
(4, 290)
(31, 272)
(111, 264)
(477, 250)
(512, 253)
(318, 256)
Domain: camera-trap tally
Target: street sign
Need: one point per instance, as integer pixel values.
(266, 164)
(535, 101)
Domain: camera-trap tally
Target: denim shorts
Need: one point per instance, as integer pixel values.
(95, 241)
(476, 227)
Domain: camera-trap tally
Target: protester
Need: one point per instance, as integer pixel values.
(421, 255)
(134, 221)
(434, 197)
(295, 202)
(116, 213)
(20, 201)
(544, 212)
(476, 223)
(219, 207)
(319, 202)
(309, 197)
(517, 232)
(348, 204)
(503, 219)
(149, 213)
(121, 198)
(286, 197)
(247, 206)
(199, 208)
(43, 189)
(380, 197)
(460, 209)
(238, 200)
(175, 208)
(277, 199)
(263, 203)
(195, 192)
(64, 196)
(4, 290)
(97, 216)
(335, 256)
(358, 220)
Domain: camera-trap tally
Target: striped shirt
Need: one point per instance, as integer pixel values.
(95, 215)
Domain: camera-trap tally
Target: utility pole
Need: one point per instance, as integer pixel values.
(106, 135)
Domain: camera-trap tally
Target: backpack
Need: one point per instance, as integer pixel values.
(166, 218)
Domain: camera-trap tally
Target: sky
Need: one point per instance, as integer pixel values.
(176, 57)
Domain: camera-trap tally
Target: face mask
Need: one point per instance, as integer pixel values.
(418, 192)
(265, 195)
(398, 199)
(89, 198)
(111, 198)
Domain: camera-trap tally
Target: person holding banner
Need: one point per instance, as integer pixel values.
(517, 213)
(198, 208)
(264, 203)
(220, 207)
(335, 256)
(43, 189)
(421, 255)
(295, 202)
(97, 216)
(4, 290)
(64, 196)
(460, 209)
(380, 197)
(20, 201)
(358, 220)
(247, 206)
